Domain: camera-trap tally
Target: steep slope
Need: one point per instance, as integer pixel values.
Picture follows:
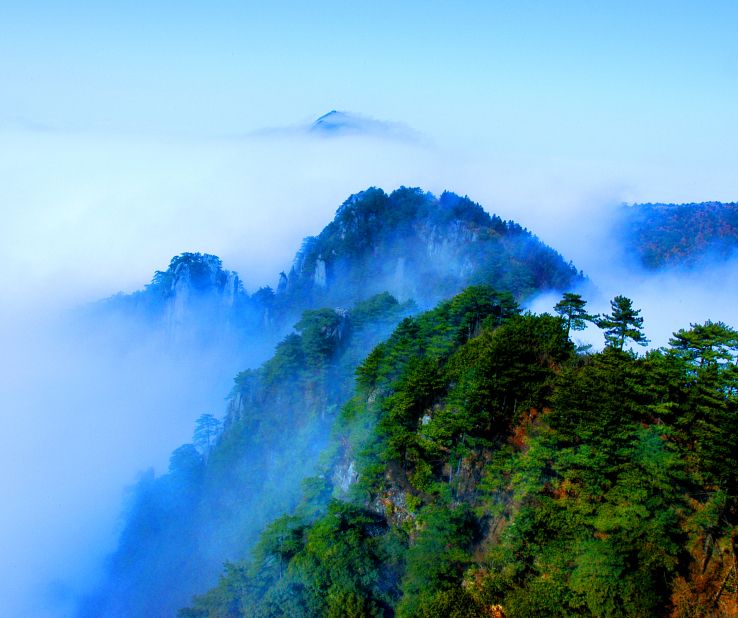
(408, 243)
(417, 246)
(180, 527)
(194, 300)
(499, 474)
(213, 503)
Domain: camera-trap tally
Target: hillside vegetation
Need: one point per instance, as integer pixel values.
(409, 243)
(501, 473)
(379, 263)
(663, 235)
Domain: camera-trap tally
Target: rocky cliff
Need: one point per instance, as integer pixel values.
(422, 247)
(197, 290)
(337, 303)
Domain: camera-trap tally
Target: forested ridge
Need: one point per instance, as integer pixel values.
(408, 242)
(427, 448)
(384, 258)
(663, 235)
(501, 472)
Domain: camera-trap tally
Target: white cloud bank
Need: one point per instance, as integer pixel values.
(83, 216)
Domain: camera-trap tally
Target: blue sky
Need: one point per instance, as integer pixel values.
(529, 107)
(599, 79)
(131, 132)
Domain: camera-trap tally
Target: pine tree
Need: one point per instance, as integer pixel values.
(624, 323)
(571, 308)
(206, 428)
(707, 343)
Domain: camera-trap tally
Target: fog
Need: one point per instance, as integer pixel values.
(86, 215)
(86, 406)
(667, 301)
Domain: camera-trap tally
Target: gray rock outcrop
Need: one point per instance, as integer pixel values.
(283, 283)
(320, 273)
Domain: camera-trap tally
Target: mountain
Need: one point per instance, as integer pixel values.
(415, 245)
(194, 300)
(666, 235)
(445, 456)
(408, 243)
(381, 262)
(484, 468)
(335, 124)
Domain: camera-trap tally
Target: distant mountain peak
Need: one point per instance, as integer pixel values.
(336, 123)
(333, 117)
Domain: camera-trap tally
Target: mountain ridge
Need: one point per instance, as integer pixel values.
(409, 243)
(337, 296)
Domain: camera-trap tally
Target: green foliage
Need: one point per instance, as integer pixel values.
(507, 369)
(185, 460)
(222, 600)
(545, 482)
(379, 309)
(320, 331)
(571, 308)
(708, 423)
(622, 324)
(206, 429)
(705, 344)
(452, 603)
(666, 235)
(287, 362)
(514, 260)
(372, 230)
(278, 423)
(438, 558)
(346, 603)
(246, 384)
(417, 389)
(534, 480)
(339, 560)
(278, 544)
(202, 268)
(436, 333)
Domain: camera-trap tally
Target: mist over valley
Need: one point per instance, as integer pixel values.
(171, 351)
(351, 311)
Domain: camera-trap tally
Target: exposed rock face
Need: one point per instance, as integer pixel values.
(398, 281)
(283, 283)
(392, 504)
(178, 304)
(438, 247)
(233, 411)
(340, 331)
(199, 284)
(420, 247)
(213, 265)
(467, 268)
(320, 273)
(447, 241)
(376, 246)
(230, 289)
(344, 476)
(402, 287)
(443, 246)
(292, 278)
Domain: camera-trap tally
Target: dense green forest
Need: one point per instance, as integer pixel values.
(663, 235)
(240, 473)
(501, 472)
(418, 445)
